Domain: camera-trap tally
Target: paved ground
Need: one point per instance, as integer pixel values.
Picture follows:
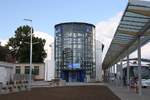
(78, 91)
(82, 84)
(92, 92)
(40, 84)
(126, 94)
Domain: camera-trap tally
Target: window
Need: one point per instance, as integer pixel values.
(18, 70)
(57, 30)
(27, 69)
(36, 70)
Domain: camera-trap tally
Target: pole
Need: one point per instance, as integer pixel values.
(115, 80)
(30, 71)
(114, 67)
(121, 72)
(128, 69)
(30, 74)
(139, 67)
(109, 74)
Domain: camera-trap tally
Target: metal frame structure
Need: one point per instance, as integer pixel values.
(137, 14)
(132, 32)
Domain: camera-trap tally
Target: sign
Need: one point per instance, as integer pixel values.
(76, 65)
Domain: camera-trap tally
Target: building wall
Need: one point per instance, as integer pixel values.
(49, 65)
(75, 47)
(6, 72)
(98, 60)
(41, 69)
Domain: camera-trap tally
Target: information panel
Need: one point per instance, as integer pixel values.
(76, 65)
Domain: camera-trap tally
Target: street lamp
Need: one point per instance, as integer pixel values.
(30, 72)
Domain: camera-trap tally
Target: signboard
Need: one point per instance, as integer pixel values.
(76, 65)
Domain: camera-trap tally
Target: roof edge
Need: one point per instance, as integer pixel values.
(74, 23)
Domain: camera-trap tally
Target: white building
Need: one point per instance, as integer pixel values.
(6, 72)
(49, 65)
(99, 47)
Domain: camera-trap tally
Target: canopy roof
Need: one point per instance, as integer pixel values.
(135, 22)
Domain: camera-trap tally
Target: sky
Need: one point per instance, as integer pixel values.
(46, 13)
(104, 14)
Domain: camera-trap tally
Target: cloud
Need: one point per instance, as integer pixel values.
(49, 40)
(144, 52)
(3, 41)
(105, 30)
(144, 0)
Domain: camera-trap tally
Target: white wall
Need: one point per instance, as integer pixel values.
(6, 72)
(49, 65)
(98, 61)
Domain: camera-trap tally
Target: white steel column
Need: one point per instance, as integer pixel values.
(114, 82)
(109, 74)
(111, 69)
(139, 66)
(121, 72)
(128, 80)
(114, 68)
(117, 75)
(30, 70)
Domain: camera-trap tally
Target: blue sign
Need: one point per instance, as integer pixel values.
(76, 65)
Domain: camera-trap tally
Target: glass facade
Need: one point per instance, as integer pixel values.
(75, 51)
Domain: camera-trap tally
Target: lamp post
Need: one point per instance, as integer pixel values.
(30, 72)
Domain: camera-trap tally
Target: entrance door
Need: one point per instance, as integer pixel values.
(81, 75)
(77, 76)
(65, 75)
(73, 76)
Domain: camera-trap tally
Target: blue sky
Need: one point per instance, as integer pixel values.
(46, 13)
(105, 14)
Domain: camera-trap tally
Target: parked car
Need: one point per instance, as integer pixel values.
(145, 83)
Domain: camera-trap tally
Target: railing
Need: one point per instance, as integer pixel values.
(21, 77)
(18, 83)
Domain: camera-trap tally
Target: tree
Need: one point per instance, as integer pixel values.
(20, 45)
(5, 54)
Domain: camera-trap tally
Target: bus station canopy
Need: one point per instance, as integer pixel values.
(135, 22)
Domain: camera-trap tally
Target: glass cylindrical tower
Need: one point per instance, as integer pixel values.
(75, 51)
